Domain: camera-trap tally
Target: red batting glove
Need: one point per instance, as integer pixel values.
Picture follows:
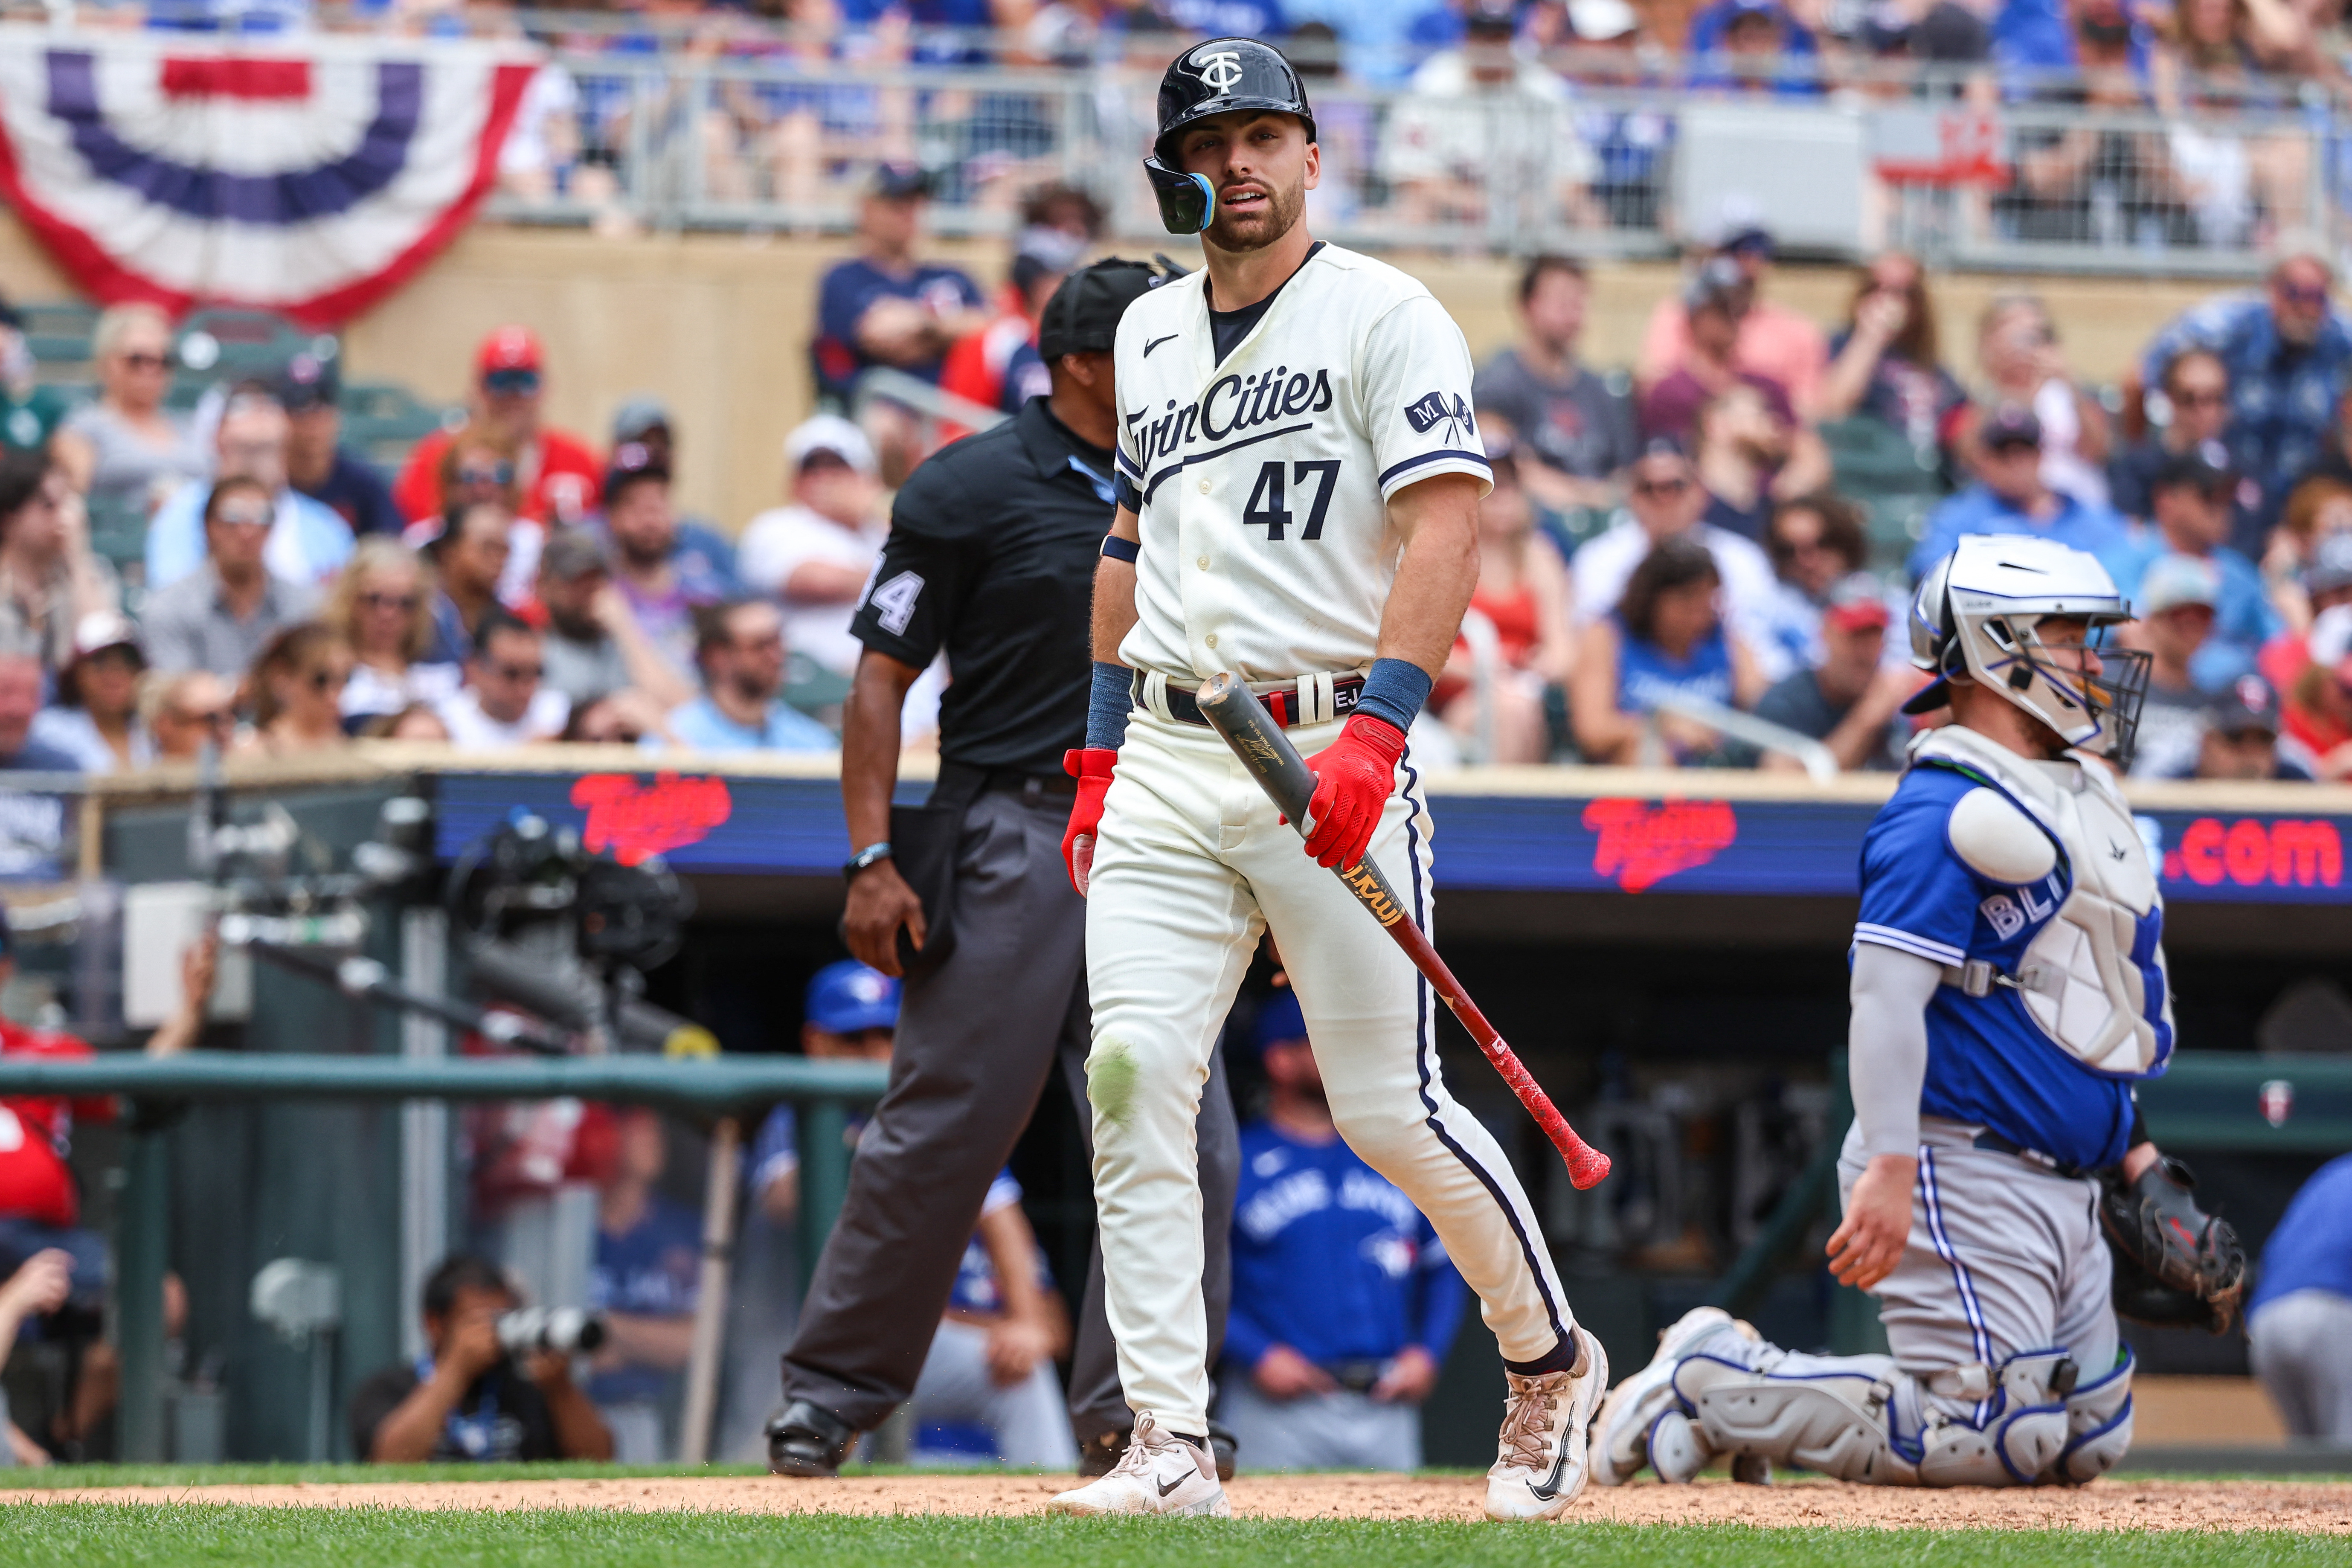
(1353, 777)
(1091, 766)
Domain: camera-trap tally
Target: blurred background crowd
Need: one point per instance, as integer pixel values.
(1700, 559)
(2199, 125)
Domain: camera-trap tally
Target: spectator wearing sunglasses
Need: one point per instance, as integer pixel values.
(739, 649)
(127, 450)
(556, 473)
(2194, 399)
(2288, 349)
(383, 609)
(297, 693)
(308, 542)
(219, 616)
(184, 710)
(505, 700)
(97, 714)
(1666, 503)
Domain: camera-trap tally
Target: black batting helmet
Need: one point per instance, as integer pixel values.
(1220, 77)
(1216, 77)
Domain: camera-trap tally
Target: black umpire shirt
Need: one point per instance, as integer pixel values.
(992, 555)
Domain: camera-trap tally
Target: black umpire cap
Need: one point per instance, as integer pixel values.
(1083, 315)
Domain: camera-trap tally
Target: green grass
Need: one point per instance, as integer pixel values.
(90, 1535)
(283, 1474)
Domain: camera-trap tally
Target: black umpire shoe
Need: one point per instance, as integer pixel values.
(1101, 1453)
(808, 1441)
(1098, 1454)
(1222, 1447)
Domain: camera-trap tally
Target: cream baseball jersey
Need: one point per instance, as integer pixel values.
(1261, 482)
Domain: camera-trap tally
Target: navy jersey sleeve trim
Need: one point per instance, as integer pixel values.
(1394, 470)
(1906, 942)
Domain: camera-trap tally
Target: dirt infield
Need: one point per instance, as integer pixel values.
(2307, 1507)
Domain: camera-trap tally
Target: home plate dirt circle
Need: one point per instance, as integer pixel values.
(2307, 1507)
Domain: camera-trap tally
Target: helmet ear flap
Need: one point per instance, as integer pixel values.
(1187, 202)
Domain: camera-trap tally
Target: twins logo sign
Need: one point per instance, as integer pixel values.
(1429, 410)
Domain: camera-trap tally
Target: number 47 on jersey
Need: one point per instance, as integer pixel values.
(1268, 505)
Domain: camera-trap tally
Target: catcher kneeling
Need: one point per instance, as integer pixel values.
(2009, 986)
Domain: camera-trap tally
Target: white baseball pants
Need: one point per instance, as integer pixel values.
(1190, 867)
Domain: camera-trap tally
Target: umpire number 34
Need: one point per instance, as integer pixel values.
(1268, 507)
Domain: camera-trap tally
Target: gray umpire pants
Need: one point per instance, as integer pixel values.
(976, 1039)
(2301, 1346)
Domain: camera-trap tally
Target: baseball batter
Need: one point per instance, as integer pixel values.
(2009, 987)
(1299, 485)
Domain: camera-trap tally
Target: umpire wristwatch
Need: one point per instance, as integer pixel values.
(879, 850)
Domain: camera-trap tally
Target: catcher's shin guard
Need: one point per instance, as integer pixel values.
(1814, 1411)
(2099, 1423)
(2021, 1437)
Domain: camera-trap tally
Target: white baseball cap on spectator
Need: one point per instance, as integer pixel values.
(1601, 21)
(103, 629)
(830, 433)
(2331, 636)
(2174, 581)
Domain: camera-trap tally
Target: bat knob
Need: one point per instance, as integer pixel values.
(1586, 1167)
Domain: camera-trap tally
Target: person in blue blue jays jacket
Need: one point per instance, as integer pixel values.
(1344, 1302)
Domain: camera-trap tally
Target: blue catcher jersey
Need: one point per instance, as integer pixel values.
(1989, 1063)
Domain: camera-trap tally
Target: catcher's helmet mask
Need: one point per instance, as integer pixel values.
(1221, 76)
(1990, 644)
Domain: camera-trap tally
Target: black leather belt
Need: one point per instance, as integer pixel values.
(962, 780)
(1994, 1143)
(1356, 1376)
(1347, 691)
(1031, 785)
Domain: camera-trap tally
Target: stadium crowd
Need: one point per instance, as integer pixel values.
(1700, 533)
(813, 91)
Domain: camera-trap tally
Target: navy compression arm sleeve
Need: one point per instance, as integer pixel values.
(1394, 690)
(1108, 703)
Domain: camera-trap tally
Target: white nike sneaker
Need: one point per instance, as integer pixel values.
(1159, 1473)
(1641, 1424)
(1540, 1467)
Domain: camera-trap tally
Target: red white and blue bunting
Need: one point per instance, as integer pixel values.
(310, 178)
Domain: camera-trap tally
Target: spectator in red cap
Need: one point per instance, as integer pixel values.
(557, 473)
(2319, 705)
(1848, 700)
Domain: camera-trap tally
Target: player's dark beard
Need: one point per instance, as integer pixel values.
(1280, 215)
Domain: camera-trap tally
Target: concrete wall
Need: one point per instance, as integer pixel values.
(718, 326)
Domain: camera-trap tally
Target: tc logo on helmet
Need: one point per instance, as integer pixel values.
(1222, 70)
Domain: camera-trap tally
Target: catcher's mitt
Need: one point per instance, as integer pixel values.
(2176, 1266)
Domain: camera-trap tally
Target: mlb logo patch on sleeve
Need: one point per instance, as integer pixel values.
(1429, 410)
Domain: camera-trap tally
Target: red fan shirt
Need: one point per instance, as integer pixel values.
(36, 1134)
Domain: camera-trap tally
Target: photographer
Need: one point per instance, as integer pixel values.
(466, 1400)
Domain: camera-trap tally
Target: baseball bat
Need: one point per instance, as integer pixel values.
(1233, 710)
